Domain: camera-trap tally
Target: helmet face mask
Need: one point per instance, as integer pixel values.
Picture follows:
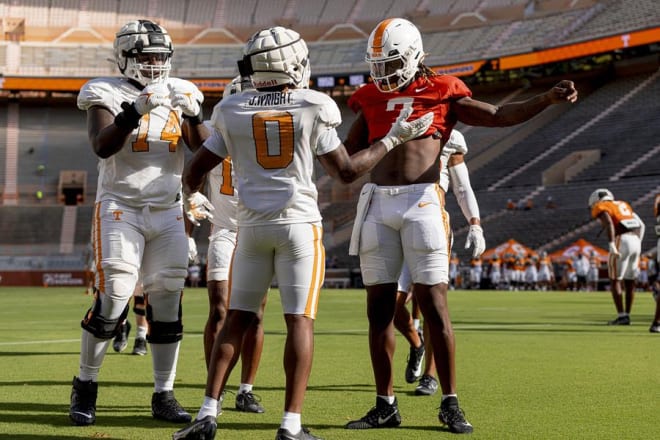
(275, 57)
(394, 53)
(143, 52)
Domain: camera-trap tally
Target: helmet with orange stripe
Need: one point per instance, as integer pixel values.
(394, 53)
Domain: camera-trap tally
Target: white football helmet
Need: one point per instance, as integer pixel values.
(600, 195)
(143, 51)
(394, 53)
(237, 85)
(274, 57)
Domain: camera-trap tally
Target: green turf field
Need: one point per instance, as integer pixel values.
(531, 365)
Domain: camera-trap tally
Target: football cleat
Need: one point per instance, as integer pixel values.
(165, 407)
(383, 415)
(82, 411)
(247, 402)
(427, 386)
(620, 320)
(414, 364)
(304, 434)
(140, 346)
(451, 415)
(203, 429)
(121, 340)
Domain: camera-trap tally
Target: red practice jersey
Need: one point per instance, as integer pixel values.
(434, 93)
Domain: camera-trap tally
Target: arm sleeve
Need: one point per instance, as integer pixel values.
(460, 183)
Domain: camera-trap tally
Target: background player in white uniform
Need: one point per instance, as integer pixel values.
(625, 231)
(545, 272)
(273, 135)
(134, 125)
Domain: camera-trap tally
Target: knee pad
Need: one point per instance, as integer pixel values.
(139, 305)
(99, 326)
(160, 331)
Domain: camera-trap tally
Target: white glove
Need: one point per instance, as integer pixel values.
(185, 101)
(197, 207)
(151, 97)
(613, 250)
(192, 249)
(402, 130)
(476, 237)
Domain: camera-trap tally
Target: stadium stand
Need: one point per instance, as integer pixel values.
(233, 21)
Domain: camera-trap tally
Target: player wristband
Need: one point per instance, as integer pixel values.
(198, 119)
(129, 118)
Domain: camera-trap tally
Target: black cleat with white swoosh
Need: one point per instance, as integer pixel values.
(82, 411)
(383, 415)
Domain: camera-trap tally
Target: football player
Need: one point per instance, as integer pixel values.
(454, 172)
(402, 215)
(625, 231)
(135, 125)
(546, 273)
(221, 191)
(273, 134)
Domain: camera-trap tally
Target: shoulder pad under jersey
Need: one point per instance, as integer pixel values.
(455, 144)
(328, 111)
(100, 91)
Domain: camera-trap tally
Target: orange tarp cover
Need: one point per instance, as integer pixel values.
(510, 246)
(582, 246)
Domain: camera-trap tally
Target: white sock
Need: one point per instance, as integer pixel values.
(623, 315)
(245, 388)
(209, 408)
(291, 422)
(388, 399)
(444, 396)
(141, 332)
(416, 323)
(164, 358)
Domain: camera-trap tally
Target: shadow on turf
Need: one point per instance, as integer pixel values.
(102, 384)
(44, 437)
(37, 353)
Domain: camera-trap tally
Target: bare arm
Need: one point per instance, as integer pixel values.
(340, 165)
(608, 225)
(473, 112)
(348, 168)
(196, 169)
(358, 135)
(105, 136)
(194, 134)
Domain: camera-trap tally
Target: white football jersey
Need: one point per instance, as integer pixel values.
(147, 170)
(221, 188)
(273, 139)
